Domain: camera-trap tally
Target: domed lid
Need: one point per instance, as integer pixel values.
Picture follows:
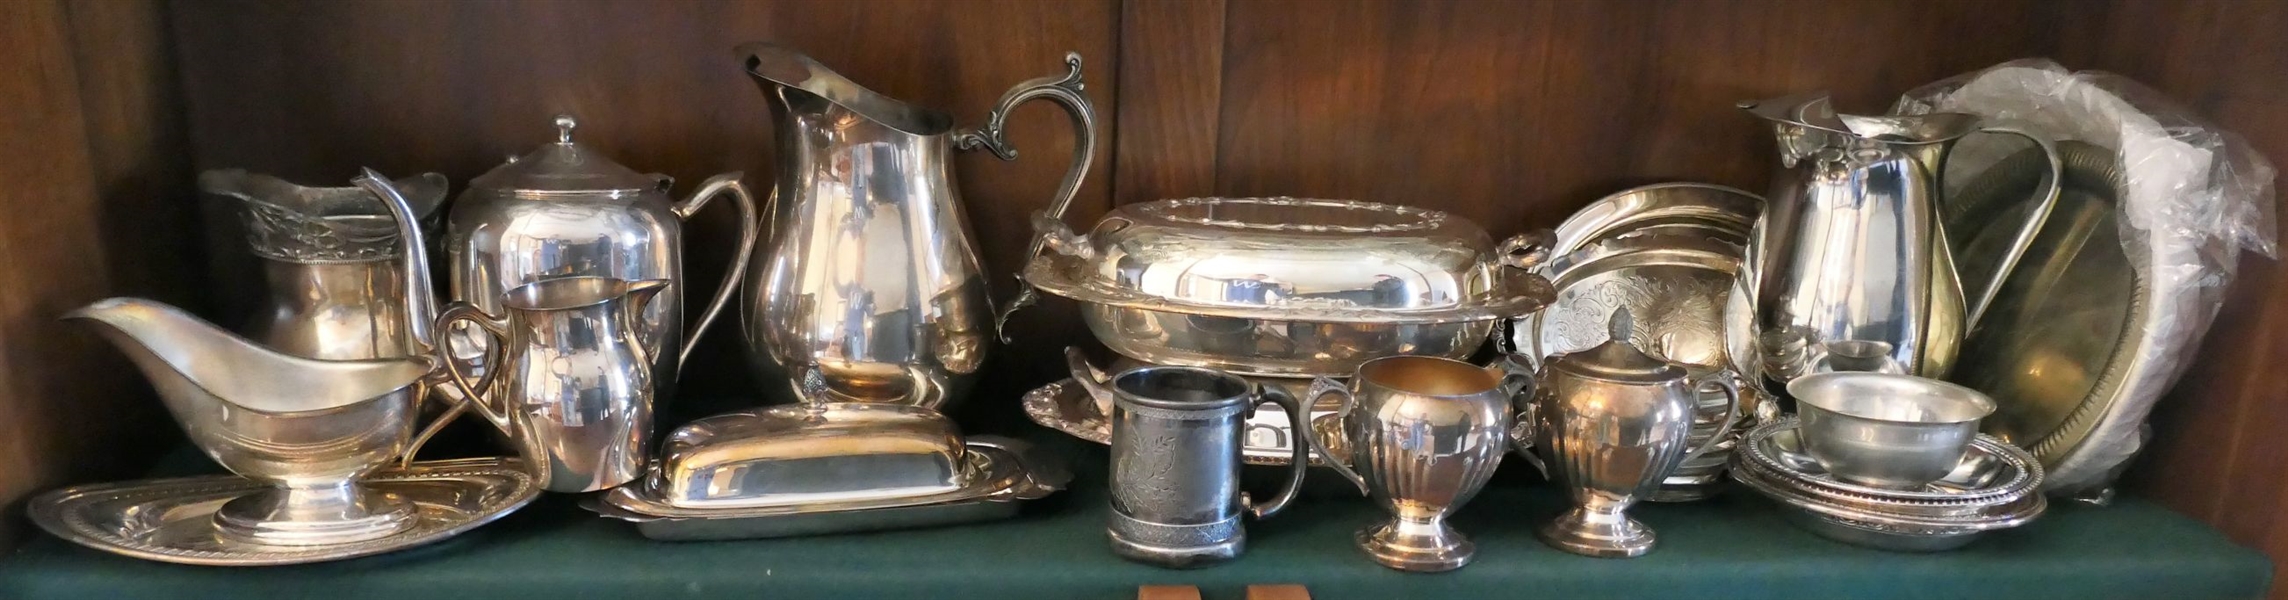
(1617, 360)
(563, 168)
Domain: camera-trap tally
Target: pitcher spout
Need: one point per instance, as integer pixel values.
(420, 298)
(795, 82)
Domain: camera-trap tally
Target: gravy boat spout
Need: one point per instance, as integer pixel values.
(307, 427)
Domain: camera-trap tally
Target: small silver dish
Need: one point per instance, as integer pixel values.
(1887, 430)
(172, 520)
(811, 454)
(1007, 473)
(1065, 407)
(1995, 487)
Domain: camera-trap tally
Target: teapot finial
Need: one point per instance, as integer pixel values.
(1619, 326)
(564, 125)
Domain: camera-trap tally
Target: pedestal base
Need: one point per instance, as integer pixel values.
(1600, 534)
(1419, 546)
(318, 516)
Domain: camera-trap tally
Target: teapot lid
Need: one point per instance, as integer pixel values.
(563, 168)
(1617, 360)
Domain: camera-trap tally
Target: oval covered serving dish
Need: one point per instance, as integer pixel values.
(1287, 286)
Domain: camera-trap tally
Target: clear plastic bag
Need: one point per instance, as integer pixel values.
(2192, 198)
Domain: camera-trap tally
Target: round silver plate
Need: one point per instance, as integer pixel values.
(172, 520)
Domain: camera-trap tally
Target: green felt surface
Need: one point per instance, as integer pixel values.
(1736, 546)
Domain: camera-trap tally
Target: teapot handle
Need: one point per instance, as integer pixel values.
(2045, 200)
(1066, 92)
(750, 230)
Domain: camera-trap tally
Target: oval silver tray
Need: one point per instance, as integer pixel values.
(171, 520)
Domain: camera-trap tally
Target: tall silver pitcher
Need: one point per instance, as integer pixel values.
(1850, 260)
(334, 264)
(866, 281)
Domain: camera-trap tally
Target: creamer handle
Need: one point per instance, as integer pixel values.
(499, 416)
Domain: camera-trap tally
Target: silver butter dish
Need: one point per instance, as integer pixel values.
(1005, 473)
(172, 520)
(812, 453)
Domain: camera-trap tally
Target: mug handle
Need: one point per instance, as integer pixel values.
(750, 231)
(499, 416)
(1731, 414)
(1299, 419)
(1065, 91)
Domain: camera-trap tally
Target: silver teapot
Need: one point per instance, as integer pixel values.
(1608, 424)
(565, 210)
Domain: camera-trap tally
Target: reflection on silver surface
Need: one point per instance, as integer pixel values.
(1995, 487)
(867, 279)
(1607, 425)
(1176, 439)
(1850, 248)
(334, 264)
(1423, 434)
(570, 377)
(565, 210)
(306, 428)
(1288, 286)
(997, 474)
(1672, 209)
(811, 454)
(174, 520)
(1886, 430)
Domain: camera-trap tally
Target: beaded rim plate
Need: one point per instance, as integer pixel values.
(171, 520)
(1992, 473)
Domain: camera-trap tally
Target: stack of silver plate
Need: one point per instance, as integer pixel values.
(1996, 487)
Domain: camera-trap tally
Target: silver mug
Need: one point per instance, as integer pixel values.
(570, 377)
(1424, 433)
(1176, 442)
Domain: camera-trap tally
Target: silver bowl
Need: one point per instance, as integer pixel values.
(1286, 286)
(1887, 430)
(1994, 487)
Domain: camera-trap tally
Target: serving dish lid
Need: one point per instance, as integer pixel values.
(1294, 259)
(810, 453)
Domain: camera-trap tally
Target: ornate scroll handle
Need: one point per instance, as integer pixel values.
(1066, 92)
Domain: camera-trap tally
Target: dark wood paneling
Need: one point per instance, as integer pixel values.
(1171, 81)
(1516, 113)
(94, 208)
(312, 91)
(2218, 449)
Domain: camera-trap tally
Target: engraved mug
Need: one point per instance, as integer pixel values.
(1176, 441)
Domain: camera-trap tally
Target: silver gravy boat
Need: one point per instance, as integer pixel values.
(866, 278)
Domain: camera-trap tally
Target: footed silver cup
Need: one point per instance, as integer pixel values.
(1424, 434)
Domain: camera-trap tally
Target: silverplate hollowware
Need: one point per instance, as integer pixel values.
(1685, 286)
(813, 453)
(1851, 248)
(567, 210)
(867, 279)
(1065, 407)
(1678, 208)
(332, 261)
(996, 498)
(989, 470)
(1288, 286)
(172, 520)
(1995, 487)
(1424, 433)
(1886, 430)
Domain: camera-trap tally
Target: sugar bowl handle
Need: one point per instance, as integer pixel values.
(1731, 413)
(1065, 91)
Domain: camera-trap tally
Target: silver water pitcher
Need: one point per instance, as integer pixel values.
(570, 377)
(1850, 262)
(1423, 434)
(867, 280)
(1176, 441)
(1607, 425)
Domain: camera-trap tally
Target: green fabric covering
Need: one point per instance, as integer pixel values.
(1736, 546)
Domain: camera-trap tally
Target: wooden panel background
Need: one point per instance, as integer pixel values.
(1511, 113)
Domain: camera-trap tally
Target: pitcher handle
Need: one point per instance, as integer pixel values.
(1066, 92)
(2046, 199)
(1731, 414)
(498, 416)
(750, 230)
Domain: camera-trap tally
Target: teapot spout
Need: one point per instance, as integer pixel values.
(420, 298)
